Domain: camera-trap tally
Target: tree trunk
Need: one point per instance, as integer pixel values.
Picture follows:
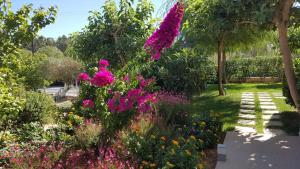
(224, 66)
(281, 19)
(220, 66)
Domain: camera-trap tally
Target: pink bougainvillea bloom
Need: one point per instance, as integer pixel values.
(103, 63)
(87, 103)
(103, 78)
(168, 30)
(83, 77)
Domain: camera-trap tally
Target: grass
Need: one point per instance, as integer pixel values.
(228, 106)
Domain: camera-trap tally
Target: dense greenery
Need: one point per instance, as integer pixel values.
(240, 68)
(186, 71)
(118, 33)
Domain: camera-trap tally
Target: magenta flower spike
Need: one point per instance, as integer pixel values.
(164, 36)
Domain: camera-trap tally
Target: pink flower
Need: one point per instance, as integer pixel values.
(103, 78)
(83, 77)
(165, 35)
(87, 103)
(103, 63)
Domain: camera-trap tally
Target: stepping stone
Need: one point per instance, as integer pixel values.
(280, 97)
(247, 102)
(268, 107)
(274, 131)
(247, 116)
(247, 93)
(246, 122)
(247, 111)
(247, 99)
(265, 100)
(272, 123)
(270, 112)
(264, 97)
(267, 103)
(244, 106)
(271, 117)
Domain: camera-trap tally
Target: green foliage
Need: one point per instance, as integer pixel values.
(185, 71)
(63, 69)
(294, 39)
(39, 107)
(262, 66)
(27, 67)
(22, 25)
(38, 42)
(117, 33)
(11, 98)
(31, 132)
(50, 52)
(285, 89)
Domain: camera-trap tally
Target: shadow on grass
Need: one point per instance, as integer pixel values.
(269, 86)
(290, 122)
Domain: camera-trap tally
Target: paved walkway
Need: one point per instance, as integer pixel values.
(273, 149)
(248, 150)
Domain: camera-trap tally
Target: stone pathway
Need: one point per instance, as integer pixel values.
(247, 112)
(278, 96)
(270, 114)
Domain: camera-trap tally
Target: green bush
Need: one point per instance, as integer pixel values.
(87, 135)
(241, 68)
(285, 90)
(186, 71)
(33, 132)
(39, 107)
(11, 98)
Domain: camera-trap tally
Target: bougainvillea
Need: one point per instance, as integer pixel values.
(103, 78)
(103, 63)
(83, 77)
(87, 103)
(165, 35)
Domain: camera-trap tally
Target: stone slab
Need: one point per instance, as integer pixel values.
(247, 111)
(280, 97)
(268, 107)
(247, 106)
(270, 112)
(267, 103)
(264, 97)
(251, 100)
(247, 97)
(247, 116)
(271, 117)
(246, 122)
(247, 102)
(272, 123)
(265, 100)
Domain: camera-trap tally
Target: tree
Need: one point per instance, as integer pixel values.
(22, 25)
(38, 43)
(61, 69)
(210, 24)
(62, 43)
(27, 67)
(50, 51)
(117, 33)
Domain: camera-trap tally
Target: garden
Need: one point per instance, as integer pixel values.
(153, 92)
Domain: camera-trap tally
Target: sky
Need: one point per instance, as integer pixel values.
(72, 14)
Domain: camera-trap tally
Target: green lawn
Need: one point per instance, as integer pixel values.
(228, 106)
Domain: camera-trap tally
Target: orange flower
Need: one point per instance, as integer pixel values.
(175, 143)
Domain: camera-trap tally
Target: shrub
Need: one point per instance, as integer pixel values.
(33, 132)
(39, 107)
(186, 71)
(87, 134)
(241, 68)
(11, 98)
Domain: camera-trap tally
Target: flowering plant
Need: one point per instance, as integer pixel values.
(114, 100)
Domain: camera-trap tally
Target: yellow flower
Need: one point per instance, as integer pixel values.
(163, 147)
(175, 143)
(202, 124)
(200, 166)
(69, 122)
(152, 165)
(188, 152)
(170, 164)
(163, 138)
(152, 136)
(193, 137)
(194, 124)
(145, 163)
(70, 113)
